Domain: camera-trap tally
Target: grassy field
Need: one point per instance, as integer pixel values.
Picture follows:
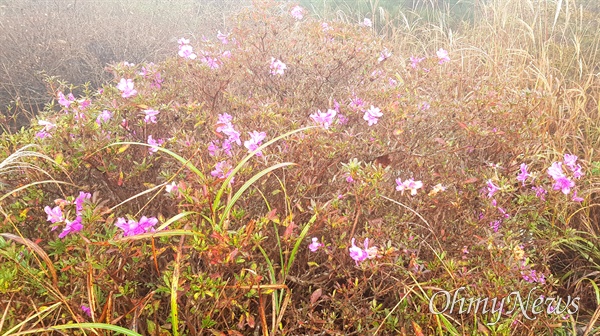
(310, 168)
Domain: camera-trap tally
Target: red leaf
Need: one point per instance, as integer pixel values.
(316, 295)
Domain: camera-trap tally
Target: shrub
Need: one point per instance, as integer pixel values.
(183, 210)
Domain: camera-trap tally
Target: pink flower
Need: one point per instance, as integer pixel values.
(385, 54)
(524, 174)
(172, 187)
(570, 160)
(219, 171)
(186, 51)
(224, 38)
(183, 41)
(156, 83)
(47, 125)
(563, 184)
(409, 184)
(150, 116)
(232, 134)
(154, 143)
(425, 106)
(495, 225)
(226, 54)
(372, 115)
(72, 226)
(255, 140)
(211, 62)
(212, 148)
(324, 119)
(367, 23)
(540, 192)
(315, 245)
(342, 119)
(65, 102)
(414, 61)
(555, 171)
(132, 227)
(42, 134)
(126, 88)
(492, 188)
(277, 67)
(443, 56)
(104, 116)
(86, 310)
(54, 215)
(80, 199)
(356, 103)
(297, 13)
(357, 253)
(576, 198)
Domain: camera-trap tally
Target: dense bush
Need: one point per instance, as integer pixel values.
(74, 40)
(173, 205)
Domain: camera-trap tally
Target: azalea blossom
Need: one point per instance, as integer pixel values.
(211, 62)
(172, 187)
(409, 184)
(325, 119)
(255, 140)
(563, 184)
(414, 61)
(372, 115)
(524, 174)
(385, 54)
(443, 56)
(131, 227)
(79, 201)
(126, 88)
(47, 125)
(492, 188)
(65, 101)
(186, 51)
(55, 214)
(213, 148)
(220, 171)
(86, 310)
(297, 13)
(232, 134)
(357, 253)
(495, 225)
(576, 198)
(72, 226)
(356, 103)
(277, 67)
(555, 171)
(540, 192)
(315, 245)
(150, 116)
(224, 38)
(154, 144)
(42, 134)
(183, 41)
(367, 23)
(104, 116)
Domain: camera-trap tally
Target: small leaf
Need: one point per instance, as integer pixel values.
(59, 158)
(417, 328)
(316, 295)
(471, 180)
(122, 149)
(120, 181)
